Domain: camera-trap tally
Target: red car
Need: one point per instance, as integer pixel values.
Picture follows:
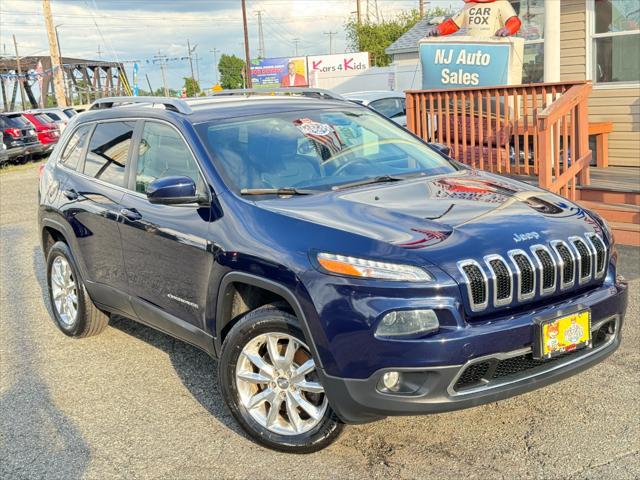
(47, 131)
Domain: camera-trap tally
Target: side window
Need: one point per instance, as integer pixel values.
(389, 107)
(73, 149)
(163, 153)
(53, 116)
(109, 151)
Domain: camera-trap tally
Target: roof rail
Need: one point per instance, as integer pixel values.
(303, 91)
(173, 104)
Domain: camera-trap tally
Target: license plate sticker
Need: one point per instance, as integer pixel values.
(564, 334)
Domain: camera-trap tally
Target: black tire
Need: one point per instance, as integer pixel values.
(89, 320)
(269, 319)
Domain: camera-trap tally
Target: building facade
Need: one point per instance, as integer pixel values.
(596, 40)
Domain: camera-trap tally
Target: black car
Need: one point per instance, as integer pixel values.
(19, 136)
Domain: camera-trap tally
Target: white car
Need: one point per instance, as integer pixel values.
(388, 103)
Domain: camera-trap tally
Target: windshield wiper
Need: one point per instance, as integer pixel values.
(369, 181)
(276, 191)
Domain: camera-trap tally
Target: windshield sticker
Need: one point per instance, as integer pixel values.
(321, 133)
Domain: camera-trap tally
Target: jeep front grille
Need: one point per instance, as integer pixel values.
(555, 267)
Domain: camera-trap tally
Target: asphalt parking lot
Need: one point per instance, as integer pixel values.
(134, 403)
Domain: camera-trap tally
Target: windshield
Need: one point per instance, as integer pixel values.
(316, 149)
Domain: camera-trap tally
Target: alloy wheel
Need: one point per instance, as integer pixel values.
(278, 384)
(64, 291)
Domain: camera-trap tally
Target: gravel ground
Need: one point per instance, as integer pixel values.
(134, 403)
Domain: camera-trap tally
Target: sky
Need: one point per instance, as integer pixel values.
(128, 30)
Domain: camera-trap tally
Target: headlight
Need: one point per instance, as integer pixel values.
(360, 267)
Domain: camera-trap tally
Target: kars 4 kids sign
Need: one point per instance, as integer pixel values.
(339, 63)
(473, 63)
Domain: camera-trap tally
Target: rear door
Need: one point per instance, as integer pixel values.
(91, 197)
(166, 251)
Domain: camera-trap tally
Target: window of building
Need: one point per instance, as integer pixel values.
(163, 153)
(616, 41)
(109, 151)
(73, 149)
(531, 14)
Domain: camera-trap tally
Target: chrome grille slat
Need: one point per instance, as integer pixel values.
(601, 254)
(502, 279)
(584, 258)
(525, 273)
(567, 263)
(477, 284)
(547, 268)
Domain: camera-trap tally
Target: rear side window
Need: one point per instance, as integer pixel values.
(108, 151)
(53, 116)
(73, 149)
(163, 153)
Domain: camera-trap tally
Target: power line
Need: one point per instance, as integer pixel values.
(331, 34)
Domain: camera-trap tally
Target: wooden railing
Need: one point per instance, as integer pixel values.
(532, 130)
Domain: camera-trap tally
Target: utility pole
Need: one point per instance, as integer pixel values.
(162, 59)
(67, 88)
(20, 79)
(247, 55)
(421, 8)
(99, 53)
(190, 52)
(54, 50)
(215, 64)
(149, 83)
(358, 12)
(331, 34)
(295, 43)
(197, 68)
(261, 52)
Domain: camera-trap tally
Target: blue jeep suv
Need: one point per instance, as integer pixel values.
(339, 268)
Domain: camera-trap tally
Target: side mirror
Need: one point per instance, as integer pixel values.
(174, 191)
(442, 148)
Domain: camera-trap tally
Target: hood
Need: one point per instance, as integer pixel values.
(477, 212)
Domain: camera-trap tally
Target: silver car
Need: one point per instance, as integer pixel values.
(388, 103)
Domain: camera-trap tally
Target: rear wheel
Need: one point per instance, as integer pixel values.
(73, 310)
(270, 383)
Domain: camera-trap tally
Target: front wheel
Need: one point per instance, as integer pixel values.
(269, 380)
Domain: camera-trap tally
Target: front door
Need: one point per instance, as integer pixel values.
(165, 246)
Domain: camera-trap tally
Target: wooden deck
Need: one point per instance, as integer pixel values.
(614, 179)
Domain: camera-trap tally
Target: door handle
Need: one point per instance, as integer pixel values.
(71, 194)
(130, 214)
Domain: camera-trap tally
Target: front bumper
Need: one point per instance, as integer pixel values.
(359, 400)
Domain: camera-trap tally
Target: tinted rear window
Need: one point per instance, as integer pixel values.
(42, 118)
(53, 116)
(109, 151)
(17, 122)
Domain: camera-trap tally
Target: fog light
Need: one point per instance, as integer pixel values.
(391, 381)
(407, 322)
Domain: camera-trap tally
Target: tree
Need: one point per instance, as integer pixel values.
(191, 86)
(230, 68)
(376, 37)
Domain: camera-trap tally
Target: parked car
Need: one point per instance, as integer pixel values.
(60, 116)
(19, 136)
(339, 268)
(46, 129)
(390, 104)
